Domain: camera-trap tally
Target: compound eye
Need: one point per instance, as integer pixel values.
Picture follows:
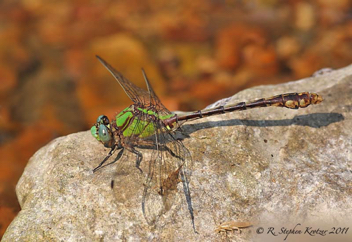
(104, 133)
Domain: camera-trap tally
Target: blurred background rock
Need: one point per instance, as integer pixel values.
(194, 52)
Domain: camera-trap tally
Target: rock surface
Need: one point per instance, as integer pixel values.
(273, 167)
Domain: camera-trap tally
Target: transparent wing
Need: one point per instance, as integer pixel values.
(135, 93)
(169, 165)
(154, 100)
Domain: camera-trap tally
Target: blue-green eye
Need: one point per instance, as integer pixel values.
(104, 134)
(102, 131)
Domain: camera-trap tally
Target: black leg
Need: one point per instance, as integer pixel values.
(107, 157)
(139, 157)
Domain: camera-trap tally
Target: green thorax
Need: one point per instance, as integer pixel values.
(135, 121)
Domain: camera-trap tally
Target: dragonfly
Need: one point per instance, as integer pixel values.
(148, 124)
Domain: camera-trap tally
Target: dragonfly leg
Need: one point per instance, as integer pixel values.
(139, 157)
(107, 157)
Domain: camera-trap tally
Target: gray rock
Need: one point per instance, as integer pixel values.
(272, 167)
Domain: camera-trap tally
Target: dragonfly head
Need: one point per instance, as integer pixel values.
(101, 130)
